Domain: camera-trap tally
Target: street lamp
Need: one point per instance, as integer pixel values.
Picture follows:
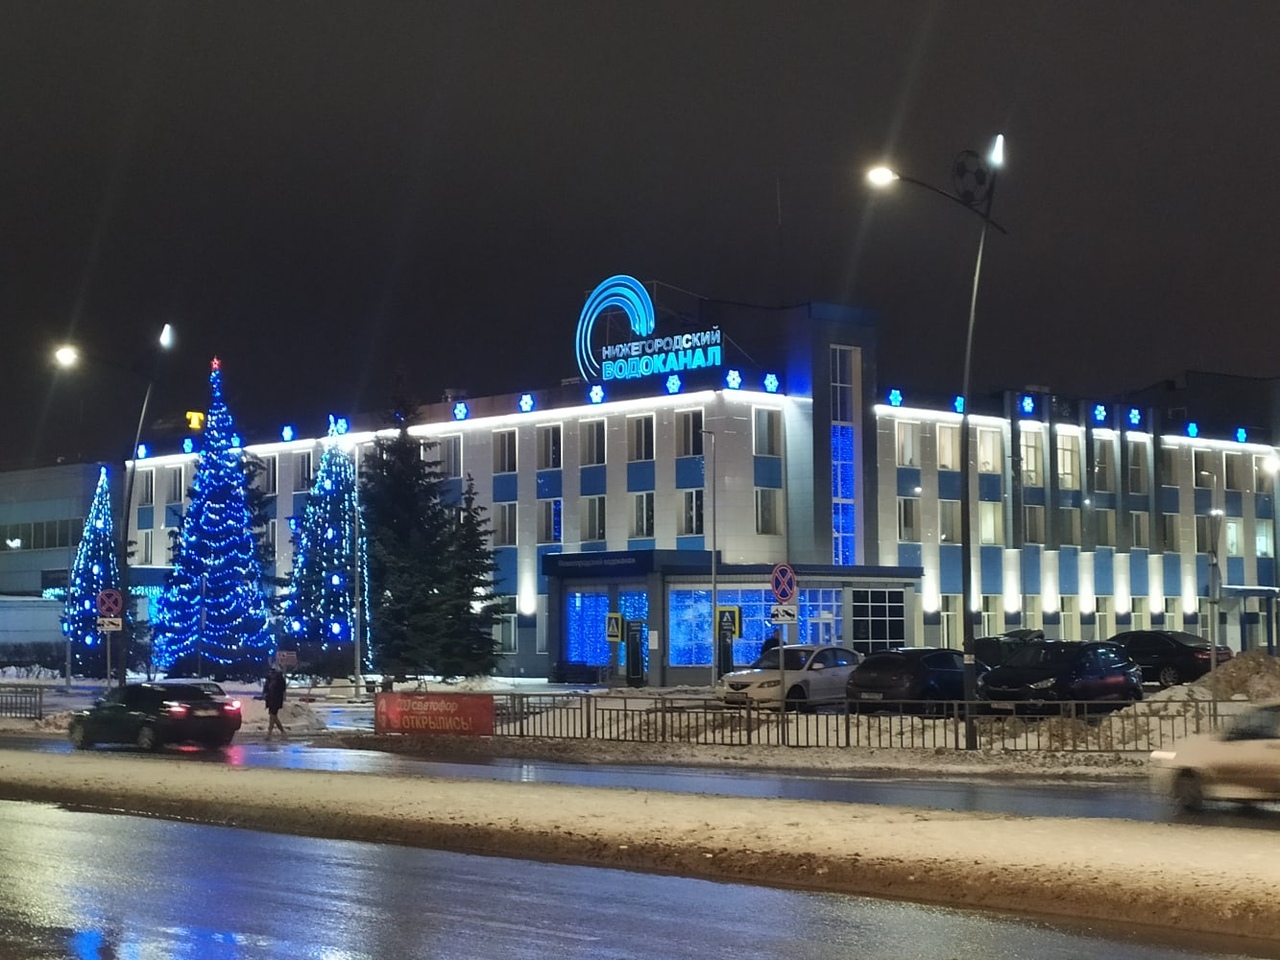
(68, 356)
(715, 593)
(975, 189)
(1215, 571)
(1271, 464)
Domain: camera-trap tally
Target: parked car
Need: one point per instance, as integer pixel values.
(208, 686)
(1053, 670)
(1168, 657)
(1240, 762)
(994, 651)
(150, 715)
(814, 673)
(912, 678)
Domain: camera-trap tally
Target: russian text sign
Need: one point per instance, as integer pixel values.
(426, 714)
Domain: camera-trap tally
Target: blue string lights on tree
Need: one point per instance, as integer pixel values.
(328, 559)
(212, 615)
(95, 569)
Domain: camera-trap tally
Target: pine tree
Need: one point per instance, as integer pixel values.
(321, 607)
(469, 648)
(212, 612)
(95, 569)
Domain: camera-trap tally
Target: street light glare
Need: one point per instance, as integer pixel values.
(66, 356)
(996, 157)
(881, 176)
(166, 336)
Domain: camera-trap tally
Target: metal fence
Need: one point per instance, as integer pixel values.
(22, 702)
(1067, 726)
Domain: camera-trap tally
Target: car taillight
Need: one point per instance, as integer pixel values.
(175, 709)
(1202, 654)
(232, 707)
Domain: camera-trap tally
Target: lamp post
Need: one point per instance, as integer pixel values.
(1215, 571)
(975, 186)
(715, 593)
(68, 356)
(1271, 464)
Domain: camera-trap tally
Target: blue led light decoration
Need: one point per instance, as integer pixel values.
(212, 613)
(1135, 417)
(673, 384)
(526, 402)
(188, 445)
(321, 606)
(1099, 413)
(1193, 430)
(1027, 404)
(286, 433)
(93, 571)
(1242, 435)
(771, 383)
(460, 411)
(958, 404)
(596, 394)
(142, 451)
(733, 380)
(895, 397)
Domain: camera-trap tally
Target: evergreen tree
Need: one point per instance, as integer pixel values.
(469, 648)
(212, 607)
(261, 503)
(321, 606)
(95, 569)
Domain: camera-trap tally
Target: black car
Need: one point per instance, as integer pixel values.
(1168, 657)
(1054, 670)
(153, 714)
(911, 678)
(994, 651)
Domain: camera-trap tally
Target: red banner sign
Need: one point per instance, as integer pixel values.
(466, 714)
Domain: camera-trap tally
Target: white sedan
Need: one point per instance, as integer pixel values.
(814, 673)
(1240, 762)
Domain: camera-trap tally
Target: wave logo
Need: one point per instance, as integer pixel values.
(624, 293)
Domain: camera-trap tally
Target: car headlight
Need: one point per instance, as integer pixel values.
(765, 684)
(1163, 756)
(1042, 684)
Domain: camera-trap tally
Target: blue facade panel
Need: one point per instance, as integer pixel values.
(504, 487)
(504, 577)
(1104, 501)
(1235, 570)
(1070, 498)
(1140, 502)
(542, 552)
(1069, 571)
(1203, 501)
(1168, 499)
(768, 472)
(299, 507)
(1202, 574)
(691, 543)
(1139, 579)
(909, 555)
(949, 568)
(593, 481)
(640, 476)
(948, 484)
(1234, 501)
(1263, 507)
(173, 512)
(451, 490)
(146, 517)
(593, 546)
(908, 481)
(1029, 563)
(1267, 570)
(550, 485)
(1172, 575)
(1033, 496)
(991, 569)
(990, 487)
(644, 543)
(690, 473)
(1104, 571)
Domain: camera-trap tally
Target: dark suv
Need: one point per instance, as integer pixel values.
(1168, 657)
(153, 714)
(1051, 670)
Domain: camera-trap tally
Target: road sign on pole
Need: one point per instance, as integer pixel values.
(613, 628)
(782, 613)
(783, 581)
(110, 603)
(110, 624)
(728, 622)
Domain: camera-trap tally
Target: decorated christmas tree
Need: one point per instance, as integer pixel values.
(212, 615)
(323, 602)
(95, 569)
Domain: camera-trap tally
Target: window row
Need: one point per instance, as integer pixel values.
(42, 534)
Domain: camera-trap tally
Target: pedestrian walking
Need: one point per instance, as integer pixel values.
(772, 642)
(273, 697)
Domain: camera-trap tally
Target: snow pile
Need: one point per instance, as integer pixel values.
(29, 672)
(1254, 675)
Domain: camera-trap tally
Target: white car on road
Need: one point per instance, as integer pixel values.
(1240, 762)
(814, 673)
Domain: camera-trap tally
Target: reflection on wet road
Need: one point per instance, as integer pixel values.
(93, 886)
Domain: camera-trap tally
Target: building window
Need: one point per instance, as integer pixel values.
(1262, 540)
(1068, 445)
(449, 456)
(1206, 528)
(1234, 471)
(1264, 473)
(549, 515)
(1033, 523)
(1137, 466)
(1233, 528)
(642, 514)
(504, 524)
(593, 518)
(691, 514)
(1206, 469)
(768, 516)
(1138, 619)
(909, 519)
(990, 451)
(271, 535)
(948, 521)
(1104, 528)
(1032, 459)
(843, 384)
(302, 471)
(1169, 466)
(908, 436)
(144, 547)
(991, 523)
(146, 488)
(948, 446)
(1172, 538)
(1068, 525)
(689, 433)
(549, 447)
(591, 442)
(1104, 466)
(878, 619)
(1140, 529)
(176, 486)
(768, 440)
(504, 451)
(639, 438)
(504, 627)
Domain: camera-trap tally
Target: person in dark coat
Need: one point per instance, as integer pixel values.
(772, 642)
(273, 697)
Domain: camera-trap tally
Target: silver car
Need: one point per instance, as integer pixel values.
(1239, 763)
(814, 673)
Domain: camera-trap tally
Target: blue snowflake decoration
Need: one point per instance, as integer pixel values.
(958, 404)
(1193, 429)
(596, 394)
(673, 384)
(771, 383)
(460, 411)
(1242, 435)
(235, 441)
(143, 452)
(286, 433)
(733, 379)
(895, 397)
(1099, 413)
(1027, 403)
(1135, 417)
(526, 402)
(188, 445)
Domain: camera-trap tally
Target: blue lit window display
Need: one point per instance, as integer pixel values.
(634, 605)
(689, 618)
(586, 618)
(842, 495)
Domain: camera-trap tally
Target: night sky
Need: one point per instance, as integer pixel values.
(327, 195)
